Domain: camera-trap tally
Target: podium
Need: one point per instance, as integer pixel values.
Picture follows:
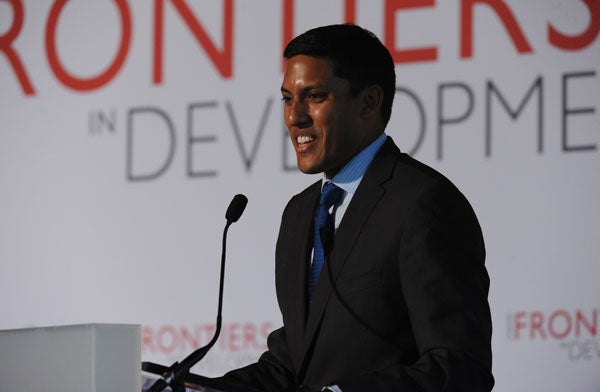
(74, 358)
(84, 358)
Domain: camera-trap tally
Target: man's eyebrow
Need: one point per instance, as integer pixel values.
(305, 88)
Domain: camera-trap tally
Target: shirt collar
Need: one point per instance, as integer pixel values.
(352, 173)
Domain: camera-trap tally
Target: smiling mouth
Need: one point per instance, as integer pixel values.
(303, 139)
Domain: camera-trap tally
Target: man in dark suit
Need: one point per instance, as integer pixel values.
(389, 291)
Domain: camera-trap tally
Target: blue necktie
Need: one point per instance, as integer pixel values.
(324, 230)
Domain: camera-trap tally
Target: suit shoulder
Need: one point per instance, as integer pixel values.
(419, 176)
(392, 165)
(426, 186)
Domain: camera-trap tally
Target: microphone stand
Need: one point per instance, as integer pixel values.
(174, 376)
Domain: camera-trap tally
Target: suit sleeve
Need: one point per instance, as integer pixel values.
(270, 372)
(445, 287)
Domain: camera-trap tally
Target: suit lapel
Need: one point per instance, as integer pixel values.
(297, 274)
(365, 199)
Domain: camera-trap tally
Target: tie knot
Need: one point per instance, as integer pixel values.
(330, 195)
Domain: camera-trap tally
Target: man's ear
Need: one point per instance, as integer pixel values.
(372, 98)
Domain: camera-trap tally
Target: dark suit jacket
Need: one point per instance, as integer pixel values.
(407, 310)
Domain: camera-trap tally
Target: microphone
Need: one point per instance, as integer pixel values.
(174, 375)
(236, 208)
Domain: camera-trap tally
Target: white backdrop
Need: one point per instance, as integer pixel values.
(118, 160)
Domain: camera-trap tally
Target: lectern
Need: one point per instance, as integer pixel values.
(74, 358)
(84, 358)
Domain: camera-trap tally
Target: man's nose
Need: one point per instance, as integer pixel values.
(298, 114)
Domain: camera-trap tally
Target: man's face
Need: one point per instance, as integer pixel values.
(323, 119)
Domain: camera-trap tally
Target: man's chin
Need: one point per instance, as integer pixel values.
(309, 169)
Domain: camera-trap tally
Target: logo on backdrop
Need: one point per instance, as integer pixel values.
(575, 331)
(222, 59)
(155, 136)
(238, 344)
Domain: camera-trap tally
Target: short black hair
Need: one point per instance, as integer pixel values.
(357, 56)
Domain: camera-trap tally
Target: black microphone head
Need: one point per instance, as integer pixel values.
(236, 208)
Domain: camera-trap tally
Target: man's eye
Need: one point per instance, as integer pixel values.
(317, 96)
(286, 99)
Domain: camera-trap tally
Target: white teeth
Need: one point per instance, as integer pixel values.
(304, 139)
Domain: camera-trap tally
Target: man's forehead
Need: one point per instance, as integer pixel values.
(303, 70)
(309, 62)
